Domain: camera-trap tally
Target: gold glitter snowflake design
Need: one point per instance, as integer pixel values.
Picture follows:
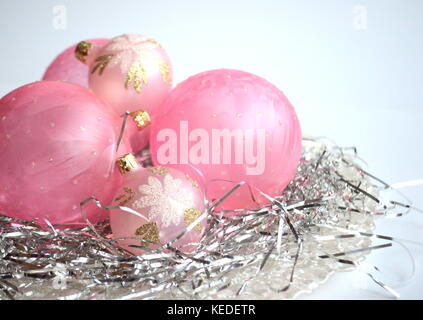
(160, 171)
(165, 71)
(101, 63)
(150, 233)
(127, 195)
(190, 215)
(167, 201)
(129, 52)
(129, 48)
(192, 181)
(137, 76)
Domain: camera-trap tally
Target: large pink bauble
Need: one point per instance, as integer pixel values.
(58, 147)
(229, 125)
(131, 72)
(65, 67)
(169, 202)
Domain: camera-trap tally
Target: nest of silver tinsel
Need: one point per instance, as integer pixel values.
(321, 223)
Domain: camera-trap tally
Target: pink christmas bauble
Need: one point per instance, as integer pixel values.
(137, 130)
(58, 147)
(232, 126)
(168, 200)
(66, 67)
(131, 72)
(138, 139)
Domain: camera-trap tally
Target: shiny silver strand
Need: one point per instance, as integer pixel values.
(323, 222)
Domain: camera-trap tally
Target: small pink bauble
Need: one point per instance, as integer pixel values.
(131, 72)
(137, 130)
(58, 147)
(169, 202)
(233, 126)
(66, 67)
(137, 139)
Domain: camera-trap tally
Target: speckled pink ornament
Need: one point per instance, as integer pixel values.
(57, 145)
(233, 126)
(169, 202)
(131, 72)
(65, 67)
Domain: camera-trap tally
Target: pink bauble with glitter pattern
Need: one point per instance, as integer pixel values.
(231, 126)
(168, 200)
(131, 72)
(58, 146)
(66, 67)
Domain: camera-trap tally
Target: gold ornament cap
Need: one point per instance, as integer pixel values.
(141, 118)
(127, 163)
(82, 50)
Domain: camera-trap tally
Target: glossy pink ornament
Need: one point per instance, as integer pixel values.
(66, 67)
(137, 139)
(57, 142)
(169, 202)
(131, 72)
(233, 126)
(137, 130)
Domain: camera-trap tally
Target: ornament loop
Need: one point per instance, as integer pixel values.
(127, 163)
(82, 49)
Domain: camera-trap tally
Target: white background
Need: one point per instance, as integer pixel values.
(352, 69)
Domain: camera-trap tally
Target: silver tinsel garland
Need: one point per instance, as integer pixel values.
(321, 223)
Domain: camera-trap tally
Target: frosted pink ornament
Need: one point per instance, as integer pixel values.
(66, 67)
(230, 125)
(57, 142)
(131, 72)
(168, 200)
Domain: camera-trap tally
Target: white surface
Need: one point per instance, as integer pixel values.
(360, 87)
